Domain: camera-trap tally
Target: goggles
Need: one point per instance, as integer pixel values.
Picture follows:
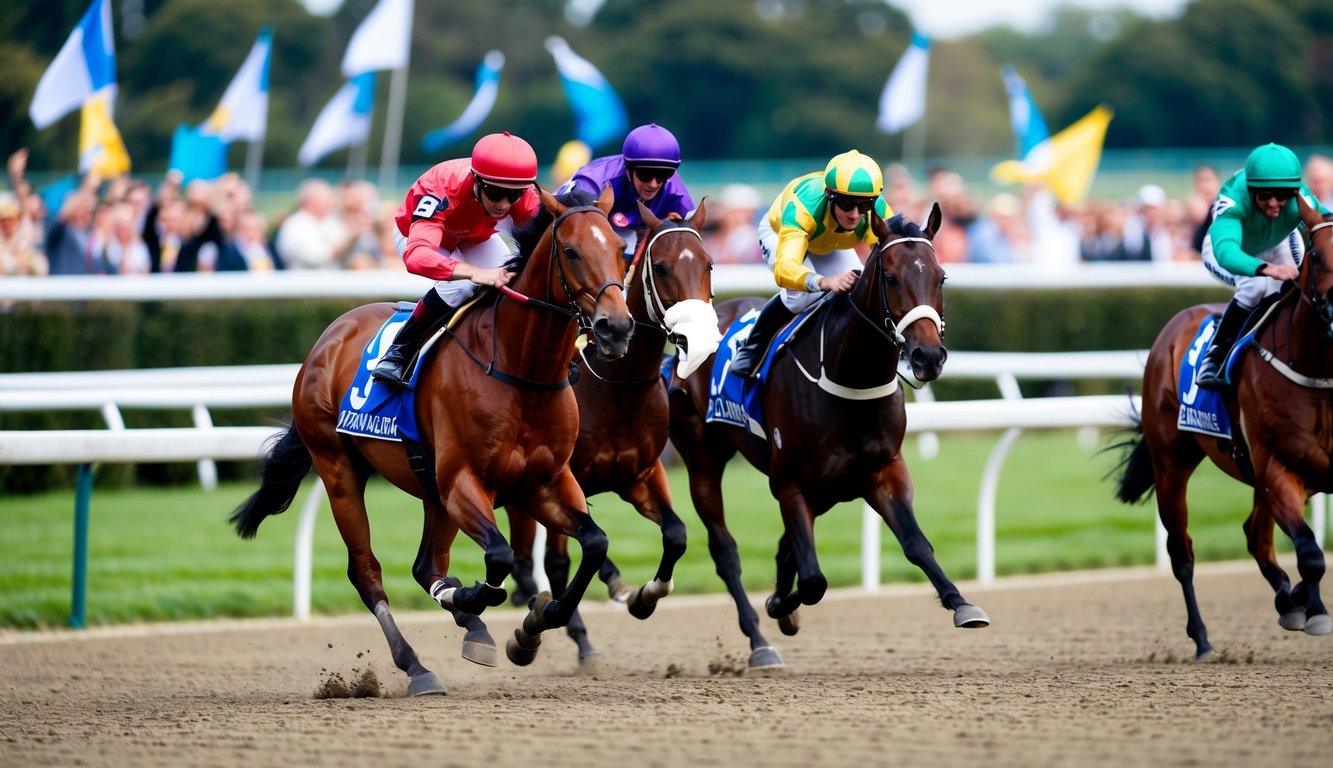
(648, 175)
(498, 194)
(1280, 195)
(848, 204)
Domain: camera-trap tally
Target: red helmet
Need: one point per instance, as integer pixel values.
(504, 160)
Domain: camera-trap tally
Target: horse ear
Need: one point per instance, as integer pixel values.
(606, 199)
(648, 217)
(700, 215)
(878, 226)
(933, 221)
(552, 206)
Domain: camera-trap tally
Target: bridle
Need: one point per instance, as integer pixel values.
(893, 331)
(1323, 310)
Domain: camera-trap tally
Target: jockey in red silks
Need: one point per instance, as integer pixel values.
(446, 230)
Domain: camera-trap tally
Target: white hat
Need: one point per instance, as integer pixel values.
(1152, 195)
(740, 196)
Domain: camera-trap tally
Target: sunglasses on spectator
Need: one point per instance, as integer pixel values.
(849, 204)
(497, 194)
(1280, 195)
(659, 175)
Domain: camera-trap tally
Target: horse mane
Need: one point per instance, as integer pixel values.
(903, 227)
(529, 234)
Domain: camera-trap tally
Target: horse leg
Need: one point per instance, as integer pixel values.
(891, 496)
(346, 491)
(431, 570)
(1259, 542)
(557, 570)
(561, 507)
(522, 536)
(1172, 473)
(471, 509)
(1286, 498)
(652, 498)
(784, 603)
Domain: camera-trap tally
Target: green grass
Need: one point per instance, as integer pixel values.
(166, 553)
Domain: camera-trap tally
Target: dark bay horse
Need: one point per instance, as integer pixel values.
(834, 426)
(497, 421)
(1282, 404)
(623, 410)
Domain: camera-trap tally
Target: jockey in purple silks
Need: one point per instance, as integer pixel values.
(644, 170)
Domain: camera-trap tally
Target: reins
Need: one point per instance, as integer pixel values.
(1279, 365)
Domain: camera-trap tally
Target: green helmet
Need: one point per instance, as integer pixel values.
(1272, 166)
(853, 174)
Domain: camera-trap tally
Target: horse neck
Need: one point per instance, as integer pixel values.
(855, 353)
(645, 349)
(538, 340)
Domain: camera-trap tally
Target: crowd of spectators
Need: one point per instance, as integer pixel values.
(123, 226)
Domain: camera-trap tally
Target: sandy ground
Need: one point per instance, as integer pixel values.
(1089, 670)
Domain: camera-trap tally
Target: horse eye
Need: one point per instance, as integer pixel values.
(571, 253)
(659, 269)
(891, 280)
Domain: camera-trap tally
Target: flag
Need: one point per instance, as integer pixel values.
(903, 100)
(599, 115)
(101, 150)
(85, 65)
(383, 41)
(197, 156)
(1064, 163)
(488, 85)
(242, 115)
(1028, 124)
(344, 121)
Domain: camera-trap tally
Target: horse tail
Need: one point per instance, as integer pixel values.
(1134, 471)
(284, 465)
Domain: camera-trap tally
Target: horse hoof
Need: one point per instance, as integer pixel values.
(765, 658)
(1205, 655)
(1293, 621)
(1319, 625)
(519, 654)
(591, 661)
(425, 684)
(638, 608)
(618, 590)
(968, 616)
(790, 624)
(479, 648)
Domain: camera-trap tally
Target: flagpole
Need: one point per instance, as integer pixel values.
(356, 160)
(914, 143)
(254, 157)
(393, 129)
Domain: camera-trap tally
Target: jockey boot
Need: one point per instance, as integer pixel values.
(392, 368)
(1210, 374)
(773, 316)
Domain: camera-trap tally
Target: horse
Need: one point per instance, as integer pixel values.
(497, 424)
(1282, 408)
(828, 438)
(623, 412)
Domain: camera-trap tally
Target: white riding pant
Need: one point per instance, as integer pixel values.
(488, 254)
(1250, 290)
(831, 263)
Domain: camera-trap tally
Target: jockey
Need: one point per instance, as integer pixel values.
(644, 170)
(808, 239)
(1253, 244)
(446, 230)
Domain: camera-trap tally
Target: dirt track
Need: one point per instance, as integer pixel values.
(1090, 674)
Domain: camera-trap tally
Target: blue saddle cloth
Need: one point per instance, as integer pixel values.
(730, 401)
(372, 408)
(1202, 410)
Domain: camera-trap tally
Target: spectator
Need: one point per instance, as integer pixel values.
(247, 249)
(1199, 204)
(69, 240)
(360, 212)
(734, 238)
(313, 237)
(900, 193)
(1105, 240)
(18, 241)
(1147, 234)
(958, 209)
(1319, 178)
(999, 236)
(1055, 228)
(124, 249)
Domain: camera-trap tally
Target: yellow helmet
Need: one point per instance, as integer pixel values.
(853, 174)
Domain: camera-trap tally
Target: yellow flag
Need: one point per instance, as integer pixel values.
(101, 149)
(1066, 162)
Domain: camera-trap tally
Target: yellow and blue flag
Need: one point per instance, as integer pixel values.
(1064, 163)
(1028, 124)
(242, 114)
(101, 150)
(599, 114)
(85, 65)
(344, 121)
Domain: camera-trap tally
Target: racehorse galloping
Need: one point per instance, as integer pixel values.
(833, 438)
(1283, 404)
(497, 422)
(623, 410)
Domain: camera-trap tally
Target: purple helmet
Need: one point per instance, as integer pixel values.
(651, 146)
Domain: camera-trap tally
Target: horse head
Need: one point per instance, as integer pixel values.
(903, 284)
(587, 267)
(676, 275)
(1319, 274)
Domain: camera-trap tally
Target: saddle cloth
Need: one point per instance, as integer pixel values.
(1202, 410)
(730, 401)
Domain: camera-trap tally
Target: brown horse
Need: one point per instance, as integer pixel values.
(497, 422)
(1282, 402)
(833, 438)
(623, 411)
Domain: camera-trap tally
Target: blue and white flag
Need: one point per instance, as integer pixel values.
(197, 156)
(488, 86)
(383, 41)
(85, 65)
(242, 114)
(903, 101)
(344, 121)
(1029, 126)
(599, 115)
